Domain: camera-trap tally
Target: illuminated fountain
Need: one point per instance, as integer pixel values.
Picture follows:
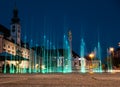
(31, 56)
(99, 57)
(49, 59)
(82, 55)
(43, 54)
(67, 67)
(96, 63)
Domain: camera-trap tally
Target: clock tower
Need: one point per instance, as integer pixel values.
(15, 27)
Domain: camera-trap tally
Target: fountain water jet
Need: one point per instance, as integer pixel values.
(82, 55)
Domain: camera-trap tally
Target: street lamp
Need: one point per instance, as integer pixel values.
(91, 56)
(111, 50)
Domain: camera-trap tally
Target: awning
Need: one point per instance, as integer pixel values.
(7, 56)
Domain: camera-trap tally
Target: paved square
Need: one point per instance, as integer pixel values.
(60, 80)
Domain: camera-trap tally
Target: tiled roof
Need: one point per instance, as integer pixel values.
(4, 31)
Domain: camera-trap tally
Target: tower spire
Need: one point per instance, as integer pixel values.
(15, 18)
(15, 26)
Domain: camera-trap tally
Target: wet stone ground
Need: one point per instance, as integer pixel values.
(60, 80)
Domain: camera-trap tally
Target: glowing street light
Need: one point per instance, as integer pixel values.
(91, 55)
(111, 50)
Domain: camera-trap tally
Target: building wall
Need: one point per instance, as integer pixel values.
(23, 64)
(25, 53)
(1, 43)
(116, 59)
(11, 48)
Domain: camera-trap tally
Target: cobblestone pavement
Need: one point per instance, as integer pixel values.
(60, 80)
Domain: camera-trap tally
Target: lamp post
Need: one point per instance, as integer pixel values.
(91, 56)
(111, 50)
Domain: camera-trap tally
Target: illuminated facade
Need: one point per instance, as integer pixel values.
(12, 49)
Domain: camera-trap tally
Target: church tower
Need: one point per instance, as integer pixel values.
(15, 27)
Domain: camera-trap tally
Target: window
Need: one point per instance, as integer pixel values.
(13, 52)
(13, 27)
(13, 30)
(8, 46)
(18, 26)
(4, 45)
(18, 30)
(9, 51)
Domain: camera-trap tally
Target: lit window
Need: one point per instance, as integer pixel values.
(9, 51)
(12, 52)
(8, 46)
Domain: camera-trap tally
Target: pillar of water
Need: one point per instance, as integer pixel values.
(35, 60)
(59, 65)
(5, 64)
(82, 54)
(99, 56)
(44, 55)
(67, 56)
(54, 65)
(31, 57)
(47, 57)
(24, 69)
(69, 65)
(50, 58)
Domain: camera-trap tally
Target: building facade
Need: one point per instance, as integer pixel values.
(115, 56)
(12, 50)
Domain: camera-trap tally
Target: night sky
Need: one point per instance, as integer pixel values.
(91, 19)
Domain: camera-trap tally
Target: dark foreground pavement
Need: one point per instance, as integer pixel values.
(60, 80)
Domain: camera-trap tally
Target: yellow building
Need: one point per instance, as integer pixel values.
(12, 50)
